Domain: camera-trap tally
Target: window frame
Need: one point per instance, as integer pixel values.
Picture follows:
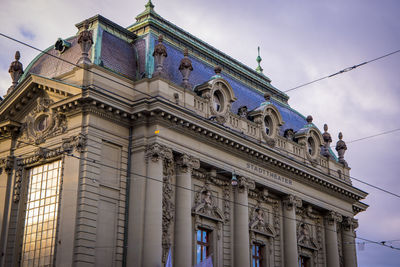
(207, 243)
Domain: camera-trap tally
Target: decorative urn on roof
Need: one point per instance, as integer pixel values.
(186, 68)
(85, 40)
(159, 54)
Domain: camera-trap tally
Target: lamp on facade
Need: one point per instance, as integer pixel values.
(234, 180)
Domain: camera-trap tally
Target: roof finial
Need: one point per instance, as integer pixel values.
(149, 5)
(259, 69)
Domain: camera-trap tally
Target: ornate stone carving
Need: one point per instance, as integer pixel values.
(289, 134)
(7, 164)
(206, 205)
(291, 202)
(16, 70)
(186, 68)
(259, 222)
(327, 142)
(333, 217)
(85, 40)
(168, 206)
(43, 122)
(156, 151)
(227, 202)
(309, 119)
(244, 184)
(187, 163)
(243, 112)
(349, 224)
(305, 237)
(72, 143)
(341, 149)
(159, 54)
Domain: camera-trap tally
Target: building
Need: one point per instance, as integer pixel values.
(153, 143)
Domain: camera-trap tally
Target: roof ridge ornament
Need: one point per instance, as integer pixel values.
(159, 54)
(259, 59)
(186, 68)
(16, 70)
(149, 5)
(217, 70)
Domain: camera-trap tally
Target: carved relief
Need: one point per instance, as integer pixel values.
(244, 184)
(291, 202)
(156, 151)
(72, 143)
(7, 164)
(18, 182)
(43, 122)
(333, 217)
(168, 206)
(206, 205)
(187, 163)
(259, 222)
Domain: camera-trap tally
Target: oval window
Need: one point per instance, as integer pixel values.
(311, 145)
(268, 125)
(42, 123)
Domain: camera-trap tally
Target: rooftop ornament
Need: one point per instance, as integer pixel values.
(327, 141)
(186, 68)
(16, 70)
(159, 54)
(61, 45)
(259, 59)
(341, 149)
(217, 70)
(85, 40)
(309, 119)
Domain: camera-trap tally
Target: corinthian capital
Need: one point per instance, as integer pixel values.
(333, 217)
(156, 151)
(291, 201)
(187, 163)
(244, 184)
(349, 224)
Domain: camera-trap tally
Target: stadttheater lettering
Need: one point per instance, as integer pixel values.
(268, 174)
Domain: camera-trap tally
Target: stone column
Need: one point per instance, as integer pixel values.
(349, 245)
(332, 250)
(152, 234)
(241, 223)
(289, 230)
(183, 206)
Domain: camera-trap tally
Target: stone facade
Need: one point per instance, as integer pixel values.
(150, 162)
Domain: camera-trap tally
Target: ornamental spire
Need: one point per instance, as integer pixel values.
(259, 69)
(149, 5)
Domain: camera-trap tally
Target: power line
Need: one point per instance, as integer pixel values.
(217, 197)
(343, 71)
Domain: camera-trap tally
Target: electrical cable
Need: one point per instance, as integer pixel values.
(343, 71)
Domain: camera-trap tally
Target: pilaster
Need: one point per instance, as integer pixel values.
(349, 246)
(183, 221)
(290, 203)
(332, 250)
(152, 236)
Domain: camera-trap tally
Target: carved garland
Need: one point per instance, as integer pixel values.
(168, 206)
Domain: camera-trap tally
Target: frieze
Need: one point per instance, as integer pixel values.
(168, 207)
(268, 174)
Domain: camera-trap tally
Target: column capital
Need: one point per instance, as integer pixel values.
(187, 163)
(333, 217)
(291, 201)
(244, 184)
(156, 151)
(349, 224)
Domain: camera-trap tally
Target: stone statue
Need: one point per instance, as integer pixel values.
(341, 149)
(327, 141)
(159, 54)
(186, 68)
(85, 40)
(16, 70)
(309, 119)
(242, 112)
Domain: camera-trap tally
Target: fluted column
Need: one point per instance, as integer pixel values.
(289, 230)
(152, 236)
(183, 218)
(349, 245)
(241, 223)
(332, 250)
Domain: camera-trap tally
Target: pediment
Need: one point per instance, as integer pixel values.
(22, 99)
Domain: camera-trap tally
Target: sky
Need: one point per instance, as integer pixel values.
(299, 41)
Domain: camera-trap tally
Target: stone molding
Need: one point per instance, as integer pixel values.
(349, 224)
(291, 201)
(156, 151)
(333, 217)
(187, 163)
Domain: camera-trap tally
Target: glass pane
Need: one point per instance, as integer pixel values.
(198, 235)
(41, 215)
(204, 236)
(198, 253)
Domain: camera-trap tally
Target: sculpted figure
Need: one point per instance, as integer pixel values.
(341, 149)
(16, 70)
(327, 141)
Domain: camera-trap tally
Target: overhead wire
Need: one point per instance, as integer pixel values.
(342, 71)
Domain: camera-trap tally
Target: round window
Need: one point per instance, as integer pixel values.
(218, 101)
(42, 123)
(311, 145)
(268, 125)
